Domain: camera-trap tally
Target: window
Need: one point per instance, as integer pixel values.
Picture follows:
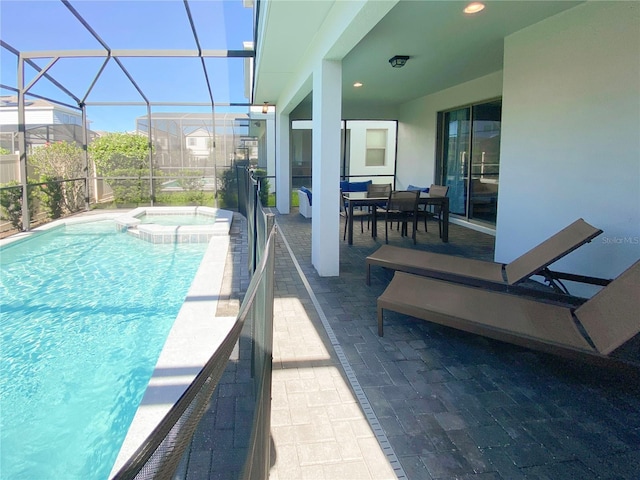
(192, 142)
(376, 147)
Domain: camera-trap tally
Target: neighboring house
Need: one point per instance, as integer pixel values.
(45, 122)
(199, 143)
(561, 78)
(186, 140)
(37, 112)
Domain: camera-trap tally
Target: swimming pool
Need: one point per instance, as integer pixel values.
(85, 313)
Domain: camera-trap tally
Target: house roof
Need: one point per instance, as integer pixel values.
(11, 102)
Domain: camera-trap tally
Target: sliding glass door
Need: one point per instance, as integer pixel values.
(457, 144)
(469, 153)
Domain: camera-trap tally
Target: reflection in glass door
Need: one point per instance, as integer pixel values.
(485, 162)
(470, 160)
(457, 143)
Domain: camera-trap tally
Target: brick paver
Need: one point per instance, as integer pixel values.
(450, 404)
(456, 405)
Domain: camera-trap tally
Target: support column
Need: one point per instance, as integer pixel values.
(270, 150)
(85, 154)
(150, 146)
(22, 143)
(283, 163)
(325, 223)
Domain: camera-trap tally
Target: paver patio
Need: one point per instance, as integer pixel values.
(424, 401)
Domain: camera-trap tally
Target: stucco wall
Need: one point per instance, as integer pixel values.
(570, 136)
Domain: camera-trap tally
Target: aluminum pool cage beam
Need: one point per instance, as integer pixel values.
(107, 53)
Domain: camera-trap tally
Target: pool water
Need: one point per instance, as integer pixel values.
(84, 314)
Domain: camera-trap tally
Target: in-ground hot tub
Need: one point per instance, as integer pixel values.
(176, 224)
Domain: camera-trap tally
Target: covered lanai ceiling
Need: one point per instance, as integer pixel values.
(447, 47)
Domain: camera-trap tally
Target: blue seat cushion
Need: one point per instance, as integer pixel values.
(422, 189)
(359, 186)
(308, 192)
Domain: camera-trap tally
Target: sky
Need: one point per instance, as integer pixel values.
(36, 25)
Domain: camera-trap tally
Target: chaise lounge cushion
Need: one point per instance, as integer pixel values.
(484, 273)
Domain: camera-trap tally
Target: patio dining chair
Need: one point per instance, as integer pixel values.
(436, 211)
(402, 207)
(378, 190)
(422, 208)
(344, 212)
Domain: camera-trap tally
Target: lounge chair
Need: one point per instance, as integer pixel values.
(596, 329)
(493, 275)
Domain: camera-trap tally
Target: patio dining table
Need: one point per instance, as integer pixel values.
(360, 199)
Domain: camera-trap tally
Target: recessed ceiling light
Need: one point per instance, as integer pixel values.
(474, 7)
(357, 84)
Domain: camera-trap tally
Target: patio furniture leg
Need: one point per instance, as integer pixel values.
(444, 214)
(350, 223)
(374, 226)
(386, 231)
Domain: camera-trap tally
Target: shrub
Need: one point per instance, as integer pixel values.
(131, 188)
(263, 182)
(191, 182)
(11, 203)
(229, 189)
(52, 196)
(124, 155)
(185, 198)
(61, 161)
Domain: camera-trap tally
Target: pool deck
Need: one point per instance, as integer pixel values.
(422, 402)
